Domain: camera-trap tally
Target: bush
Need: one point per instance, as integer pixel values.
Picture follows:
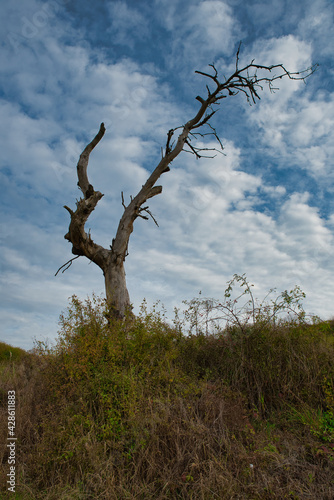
(10, 353)
(140, 409)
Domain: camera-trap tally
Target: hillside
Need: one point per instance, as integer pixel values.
(139, 409)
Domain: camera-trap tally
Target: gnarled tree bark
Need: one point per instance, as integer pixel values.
(244, 80)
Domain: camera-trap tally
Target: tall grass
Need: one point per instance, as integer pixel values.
(137, 409)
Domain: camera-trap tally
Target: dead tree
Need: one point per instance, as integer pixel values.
(248, 80)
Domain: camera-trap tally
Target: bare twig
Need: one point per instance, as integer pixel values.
(146, 209)
(122, 196)
(69, 262)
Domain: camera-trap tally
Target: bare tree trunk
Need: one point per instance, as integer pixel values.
(243, 80)
(110, 261)
(117, 294)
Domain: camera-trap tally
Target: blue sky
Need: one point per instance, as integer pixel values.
(266, 208)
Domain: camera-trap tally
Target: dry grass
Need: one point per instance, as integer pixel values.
(138, 410)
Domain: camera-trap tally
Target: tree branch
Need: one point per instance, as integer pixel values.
(243, 80)
(82, 243)
(83, 183)
(69, 262)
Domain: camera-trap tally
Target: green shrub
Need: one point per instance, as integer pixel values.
(9, 353)
(137, 408)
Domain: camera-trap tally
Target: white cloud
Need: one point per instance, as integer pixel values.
(302, 224)
(317, 25)
(297, 125)
(211, 25)
(127, 23)
(201, 31)
(301, 132)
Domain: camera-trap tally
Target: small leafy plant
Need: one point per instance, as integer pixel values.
(239, 308)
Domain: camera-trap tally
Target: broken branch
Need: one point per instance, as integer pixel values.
(69, 262)
(83, 183)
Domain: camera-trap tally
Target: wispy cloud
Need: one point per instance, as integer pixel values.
(128, 24)
(200, 32)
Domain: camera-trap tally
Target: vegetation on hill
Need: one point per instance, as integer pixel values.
(137, 409)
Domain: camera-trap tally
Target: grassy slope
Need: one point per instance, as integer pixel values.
(138, 410)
